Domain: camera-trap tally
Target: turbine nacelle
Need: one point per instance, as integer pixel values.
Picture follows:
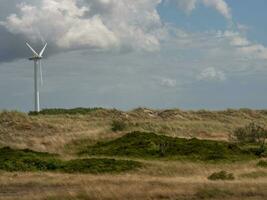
(36, 56)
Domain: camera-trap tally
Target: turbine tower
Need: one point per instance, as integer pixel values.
(37, 68)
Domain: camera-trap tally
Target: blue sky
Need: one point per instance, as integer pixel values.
(188, 54)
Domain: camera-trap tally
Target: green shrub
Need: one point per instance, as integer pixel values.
(27, 160)
(150, 145)
(222, 175)
(118, 125)
(262, 164)
(251, 133)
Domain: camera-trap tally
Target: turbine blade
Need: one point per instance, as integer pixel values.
(33, 51)
(42, 52)
(41, 72)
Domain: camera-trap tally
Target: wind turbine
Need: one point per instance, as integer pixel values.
(37, 68)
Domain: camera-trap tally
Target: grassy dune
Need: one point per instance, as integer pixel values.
(153, 146)
(152, 157)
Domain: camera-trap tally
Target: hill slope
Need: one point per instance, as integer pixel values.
(53, 129)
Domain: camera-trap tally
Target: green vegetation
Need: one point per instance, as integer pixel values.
(118, 125)
(251, 134)
(252, 138)
(61, 111)
(222, 175)
(27, 160)
(150, 145)
(262, 163)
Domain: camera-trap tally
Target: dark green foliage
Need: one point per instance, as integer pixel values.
(27, 160)
(118, 125)
(222, 175)
(262, 164)
(212, 193)
(61, 111)
(253, 138)
(150, 145)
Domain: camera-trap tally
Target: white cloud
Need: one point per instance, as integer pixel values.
(187, 5)
(257, 51)
(211, 74)
(246, 47)
(167, 82)
(74, 24)
(220, 5)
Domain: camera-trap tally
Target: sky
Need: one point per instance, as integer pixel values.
(124, 54)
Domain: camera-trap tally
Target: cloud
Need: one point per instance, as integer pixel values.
(61, 25)
(211, 74)
(187, 5)
(167, 82)
(220, 5)
(110, 24)
(101, 24)
(245, 47)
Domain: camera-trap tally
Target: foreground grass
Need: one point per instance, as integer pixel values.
(49, 186)
(27, 160)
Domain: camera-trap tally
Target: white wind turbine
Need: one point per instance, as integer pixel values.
(37, 68)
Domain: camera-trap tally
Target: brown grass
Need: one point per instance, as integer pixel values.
(52, 133)
(178, 183)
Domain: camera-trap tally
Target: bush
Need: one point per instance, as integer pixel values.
(262, 163)
(151, 145)
(118, 125)
(26, 160)
(251, 133)
(222, 175)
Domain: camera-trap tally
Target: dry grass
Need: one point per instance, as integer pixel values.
(157, 180)
(51, 133)
(179, 181)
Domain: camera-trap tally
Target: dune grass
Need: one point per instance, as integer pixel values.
(254, 174)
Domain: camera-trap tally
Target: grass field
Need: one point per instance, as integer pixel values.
(153, 156)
